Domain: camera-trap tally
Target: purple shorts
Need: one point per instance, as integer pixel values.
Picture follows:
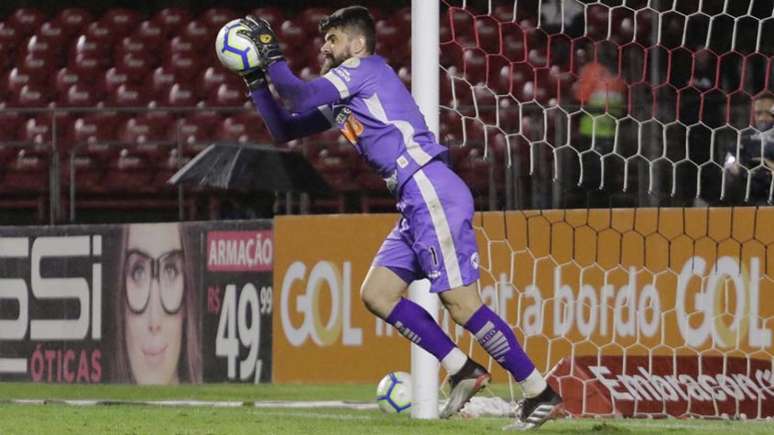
(434, 237)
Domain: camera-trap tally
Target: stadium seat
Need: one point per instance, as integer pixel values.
(180, 95)
(227, 95)
(10, 124)
(198, 33)
(93, 129)
(78, 95)
(212, 77)
(271, 14)
(14, 80)
(26, 20)
(243, 128)
(160, 82)
(31, 95)
(87, 67)
(9, 35)
(120, 21)
(128, 95)
(101, 33)
(171, 20)
(128, 172)
(185, 66)
(40, 69)
(73, 20)
(215, 18)
(26, 172)
(110, 81)
(181, 46)
(132, 44)
(49, 41)
(193, 136)
(310, 19)
(136, 66)
(151, 33)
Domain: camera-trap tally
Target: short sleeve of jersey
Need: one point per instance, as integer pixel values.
(350, 77)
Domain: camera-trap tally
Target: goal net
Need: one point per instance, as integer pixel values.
(565, 104)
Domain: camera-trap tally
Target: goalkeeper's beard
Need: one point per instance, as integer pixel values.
(328, 63)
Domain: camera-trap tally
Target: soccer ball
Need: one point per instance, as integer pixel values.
(393, 395)
(235, 52)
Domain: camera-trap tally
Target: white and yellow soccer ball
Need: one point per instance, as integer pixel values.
(236, 52)
(393, 395)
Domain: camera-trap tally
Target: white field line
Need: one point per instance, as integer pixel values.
(205, 403)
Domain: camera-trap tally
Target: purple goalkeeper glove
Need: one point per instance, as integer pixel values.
(264, 39)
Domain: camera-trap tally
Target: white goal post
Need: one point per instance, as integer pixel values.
(424, 86)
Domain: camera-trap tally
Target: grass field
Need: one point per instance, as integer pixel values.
(56, 417)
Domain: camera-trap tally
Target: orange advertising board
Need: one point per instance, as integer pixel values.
(571, 282)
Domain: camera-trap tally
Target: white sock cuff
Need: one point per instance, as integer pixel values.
(454, 361)
(533, 385)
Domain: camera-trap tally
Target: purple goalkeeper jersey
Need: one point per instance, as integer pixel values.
(373, 110)
(378, 115)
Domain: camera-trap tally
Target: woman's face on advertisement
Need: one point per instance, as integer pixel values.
(153, 307)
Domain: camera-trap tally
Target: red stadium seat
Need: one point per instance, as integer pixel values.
(110, 81)
(136, 66)
(198, 33)
(128, 172)
(91, 47)
(38, 68)
(292, 34)
(185, 66)
(180, 95)
(151, 33)
(271, 14)
(78, 95)
(310, 19)
(132, 44)
(215, 18)
(160, 82)
(15, 79)
(26, 20)
(128, 95)
(171, 20)
(227, 94)
(181, 46)
(49, 41)
(31, 95)
(246, 127)
(191, 134)
(101, 32)
(120, 21)
(88, 67)
(210, 79)
(137, 130)
(37, 131)
(10, 124)
(27, 172)
(9, 36)
(73, 20)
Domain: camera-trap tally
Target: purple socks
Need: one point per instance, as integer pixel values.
(498, 339)
(416, 324)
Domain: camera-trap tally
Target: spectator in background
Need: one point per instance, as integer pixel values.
(156, 317)
(600, 91)
(753, 159)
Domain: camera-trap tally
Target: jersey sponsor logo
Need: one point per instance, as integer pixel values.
(350, 127)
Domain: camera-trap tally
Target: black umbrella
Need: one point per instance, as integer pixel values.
(251, 167)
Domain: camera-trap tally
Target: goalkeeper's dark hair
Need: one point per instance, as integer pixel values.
(352, 17)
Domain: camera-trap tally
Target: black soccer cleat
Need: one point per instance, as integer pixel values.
(471, 378)
(533, 412)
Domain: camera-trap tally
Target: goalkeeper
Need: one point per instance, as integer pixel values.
(363, 97)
